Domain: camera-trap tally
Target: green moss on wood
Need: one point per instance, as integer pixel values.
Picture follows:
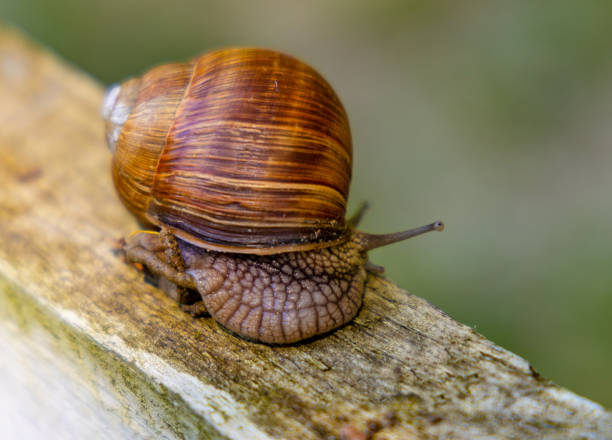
(165, 411)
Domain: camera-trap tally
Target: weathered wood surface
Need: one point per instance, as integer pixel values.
(88, 347)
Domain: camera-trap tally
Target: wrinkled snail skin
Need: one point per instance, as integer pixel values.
(243, 158)
(281, 298)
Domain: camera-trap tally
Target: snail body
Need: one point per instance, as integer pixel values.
(243, 157)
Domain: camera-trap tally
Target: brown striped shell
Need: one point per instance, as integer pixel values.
(242, 150)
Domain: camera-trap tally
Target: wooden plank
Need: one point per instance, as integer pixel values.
(91, 345)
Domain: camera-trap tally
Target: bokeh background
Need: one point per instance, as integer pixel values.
(494, 117)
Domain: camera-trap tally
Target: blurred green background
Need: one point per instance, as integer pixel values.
(494, 117)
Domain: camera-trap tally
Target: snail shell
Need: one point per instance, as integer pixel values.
(241, 150)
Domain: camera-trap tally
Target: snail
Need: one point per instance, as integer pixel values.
(242, 158)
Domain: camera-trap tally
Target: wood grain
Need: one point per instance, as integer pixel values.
(403, 368)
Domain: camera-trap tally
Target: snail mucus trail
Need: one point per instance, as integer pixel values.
(242, 159)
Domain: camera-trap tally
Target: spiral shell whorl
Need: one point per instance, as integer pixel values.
(243, 150)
